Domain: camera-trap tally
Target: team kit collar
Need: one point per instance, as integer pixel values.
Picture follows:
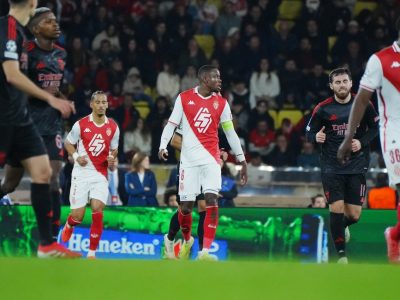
(196, 91)
(396, 47)
(91, 119)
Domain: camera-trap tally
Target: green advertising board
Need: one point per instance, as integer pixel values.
(243, 233)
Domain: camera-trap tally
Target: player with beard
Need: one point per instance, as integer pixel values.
(344, 185)
(201, 110)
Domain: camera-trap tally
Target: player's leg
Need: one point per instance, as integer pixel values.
(74, 219)
(96, 229)
(392, 234)
(55, 151)
(211, 184)
(334, 191)
(12, 177)
(201, 209)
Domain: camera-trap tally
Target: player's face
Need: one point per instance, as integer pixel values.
(48, 27)
(32, 7)
(213, 81)
(319, 202)
(341, 86)
(99, 105)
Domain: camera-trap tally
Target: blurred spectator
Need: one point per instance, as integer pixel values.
(228, 190)
(318, 201)
(281, 155)
(308, 158)
(239, 93)
(227, 54)
(160, 35)
(292, 136)
(105, 53)
(264, 85)
(227, 20)
(113, 182)
(382, 196)
(130, 54)
(316, 86)
(204, 14)
(261, 139)
(241, 114)
(318, 40)
(133, 83)
(192, 55)
(255, 17)
(140, 183)
(150, 63)
(116, 73)
(291, 81)
(110, 35)
(168, 82)
(260, 112)
(178, 15)
(137, 138)
(179, 41)
(77, 55)
(253, 52)
(115, 99)
(94, 71)
(125, 114)
(305, 56)
(284, 41)
(189, 80)
(170, 197)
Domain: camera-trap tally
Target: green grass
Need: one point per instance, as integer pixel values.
(29, 278)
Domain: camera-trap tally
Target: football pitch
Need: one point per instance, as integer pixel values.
(30, 278)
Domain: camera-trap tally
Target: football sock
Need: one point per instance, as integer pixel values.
(347, 221)
(71, 222)
(40, 197)
(395, 230)
(210, 226)
(56, 207)
(173, 227)
(337, 232)
(200, 228)
(185, 222)
(96, 229)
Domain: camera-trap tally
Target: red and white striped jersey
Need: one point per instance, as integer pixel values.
(200, 118)
(95, 142)
(383, 75)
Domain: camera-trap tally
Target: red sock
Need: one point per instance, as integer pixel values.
(395, 231)
(96, 230)
(72, 222)
(210, 226)
(185, 221)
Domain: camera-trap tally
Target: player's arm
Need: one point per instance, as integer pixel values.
(70, 145)
(315, 129)
(15, 77)
(372, 120)
(176, 141)
(132, 187)
(112, 156)
(169, 129)
(370, 81)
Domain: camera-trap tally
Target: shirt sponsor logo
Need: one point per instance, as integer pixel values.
(202, 120)
(97, 145)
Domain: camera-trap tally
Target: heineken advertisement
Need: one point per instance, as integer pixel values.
(243, 233)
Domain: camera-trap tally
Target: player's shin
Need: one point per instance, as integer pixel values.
(185, 221)
(173, 227)
(56, 207)
(395, 230)
(337, 231)
(200, 228)
(210, 226)
(95, 231)
(40, 195)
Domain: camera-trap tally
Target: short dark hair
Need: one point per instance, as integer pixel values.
(315, 198)
(36, 17)
(205, 69)
(338, 71)
(97, 93)
(168, 194)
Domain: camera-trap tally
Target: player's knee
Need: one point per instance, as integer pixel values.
(354, 217)
(211, 199)
(42, 175)
(78, 216)
(186, 210)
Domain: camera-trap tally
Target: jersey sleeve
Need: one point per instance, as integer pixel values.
(372, 78)
(226, 113)
(177, 112)
(115, 140)
(75, 134)
(314, 125)
(178, 129)
(8, 42)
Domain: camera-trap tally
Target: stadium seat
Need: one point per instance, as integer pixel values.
(293, 115)
(361, 5)
(206, 43)
(143, 108)
(274, 115)
(290, 10)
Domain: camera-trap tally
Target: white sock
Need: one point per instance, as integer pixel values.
(91, 253)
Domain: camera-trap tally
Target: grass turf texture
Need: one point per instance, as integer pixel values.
(26, 278)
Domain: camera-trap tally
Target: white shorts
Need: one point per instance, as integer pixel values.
(85, 189)
(392, 162)
(197, 179)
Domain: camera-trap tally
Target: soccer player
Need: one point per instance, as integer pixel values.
(93, 144)
(382, 75)
(46, 63)
(344, 185)
(21, 141)
(201, 110)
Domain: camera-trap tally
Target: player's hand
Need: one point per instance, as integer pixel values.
(224, 154)
(243, 173)
(82, 161)
(344, 151)
(355, 145)
(163, 155)
(111, 162)
(63, 106)
(320, 137)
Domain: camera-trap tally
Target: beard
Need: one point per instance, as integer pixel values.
(342, 94)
